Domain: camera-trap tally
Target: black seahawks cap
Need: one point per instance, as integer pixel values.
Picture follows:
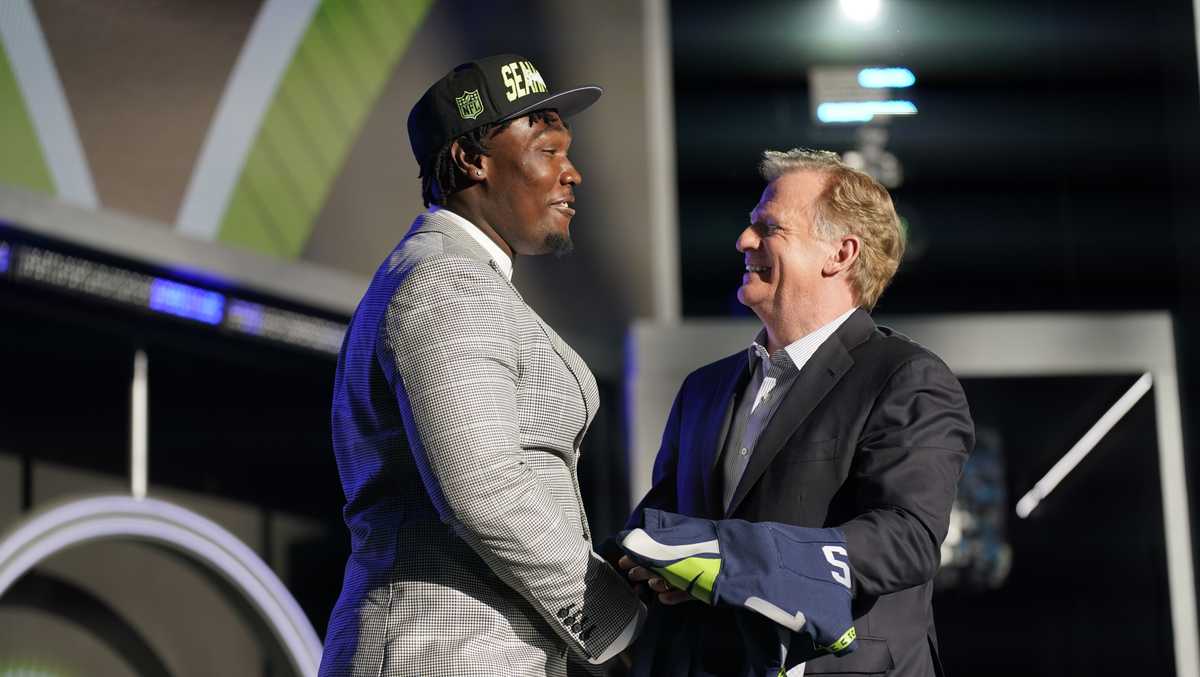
(491, 89)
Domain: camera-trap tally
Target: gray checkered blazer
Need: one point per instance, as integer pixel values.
(457, 418)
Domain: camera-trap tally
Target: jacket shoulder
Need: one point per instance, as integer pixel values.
(424, 267)
(429, 246)
(887, 351)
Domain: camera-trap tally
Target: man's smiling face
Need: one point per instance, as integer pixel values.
(783, 257)
(530, 185)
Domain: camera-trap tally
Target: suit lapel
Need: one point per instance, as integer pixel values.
(711, 437)
(819, 375)
(575, 364)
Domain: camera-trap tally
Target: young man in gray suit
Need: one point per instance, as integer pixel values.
(825, 421)
(458, 413)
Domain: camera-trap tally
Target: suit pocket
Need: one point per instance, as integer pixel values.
(872, 657)
(815, 451)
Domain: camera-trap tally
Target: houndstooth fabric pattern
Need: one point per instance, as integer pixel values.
(457, 418)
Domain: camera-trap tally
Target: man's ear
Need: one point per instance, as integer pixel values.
(469, 164)
(847, 248)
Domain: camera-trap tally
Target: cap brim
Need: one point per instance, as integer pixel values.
(567, 103)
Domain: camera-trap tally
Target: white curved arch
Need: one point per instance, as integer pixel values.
(58, 527)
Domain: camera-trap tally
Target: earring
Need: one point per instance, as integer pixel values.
(478, 172)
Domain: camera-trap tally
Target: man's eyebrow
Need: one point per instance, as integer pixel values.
(551, 127)
(762, 220)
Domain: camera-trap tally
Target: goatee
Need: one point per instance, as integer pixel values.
(558, 244)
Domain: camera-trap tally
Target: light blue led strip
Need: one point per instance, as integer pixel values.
(863, 111)
(886, 78)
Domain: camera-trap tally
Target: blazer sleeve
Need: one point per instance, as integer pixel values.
(451, 333)
(905, 473)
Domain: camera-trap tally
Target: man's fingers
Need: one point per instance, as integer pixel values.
(666, 594)
(673, 597)
(625, 563)
(639, 574)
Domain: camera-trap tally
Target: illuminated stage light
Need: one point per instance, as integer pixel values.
(245, 317)
(863, 111)
(134, 289)
(186, 301)
(73, 274)
(861, 11)
(886, 78)
(284, 325)
(106, 518)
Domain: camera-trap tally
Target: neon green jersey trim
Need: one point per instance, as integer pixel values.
(696, 575)
(843, 641)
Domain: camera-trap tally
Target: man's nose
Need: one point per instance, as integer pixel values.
(571, 175)
(747, 240)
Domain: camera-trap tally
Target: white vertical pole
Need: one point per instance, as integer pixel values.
(139, 425)
(1176, 523)
(660, 128)
(1180, 566)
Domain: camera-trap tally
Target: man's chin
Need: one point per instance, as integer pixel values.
(749, 298)
(558, 244)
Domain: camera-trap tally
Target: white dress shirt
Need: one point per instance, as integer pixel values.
(503, 260)
(800, 351)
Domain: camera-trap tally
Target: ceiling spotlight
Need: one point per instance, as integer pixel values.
(861, 11)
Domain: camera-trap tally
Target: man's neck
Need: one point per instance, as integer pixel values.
(468, 209)
(782, 332)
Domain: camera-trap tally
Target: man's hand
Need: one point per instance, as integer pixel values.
(638, 575)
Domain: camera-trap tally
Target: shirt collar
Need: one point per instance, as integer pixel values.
(503, 260)
(797, 352)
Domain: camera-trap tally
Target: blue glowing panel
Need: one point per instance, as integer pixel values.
(863, 111)
(245, 316)
(886, 78)
(5, 256)
(183, 300)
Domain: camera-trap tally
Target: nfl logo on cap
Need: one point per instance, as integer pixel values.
(469, 105)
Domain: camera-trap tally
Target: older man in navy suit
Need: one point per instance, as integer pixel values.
(825, 421)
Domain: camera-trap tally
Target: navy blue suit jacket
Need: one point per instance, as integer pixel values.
(871, 438)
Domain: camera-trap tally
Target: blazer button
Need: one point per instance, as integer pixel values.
(562, 613)
(587, 633)
(576, 628)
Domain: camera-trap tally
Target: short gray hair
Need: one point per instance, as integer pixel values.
(852, 203)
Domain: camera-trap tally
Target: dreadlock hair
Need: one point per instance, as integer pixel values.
(441, 177)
